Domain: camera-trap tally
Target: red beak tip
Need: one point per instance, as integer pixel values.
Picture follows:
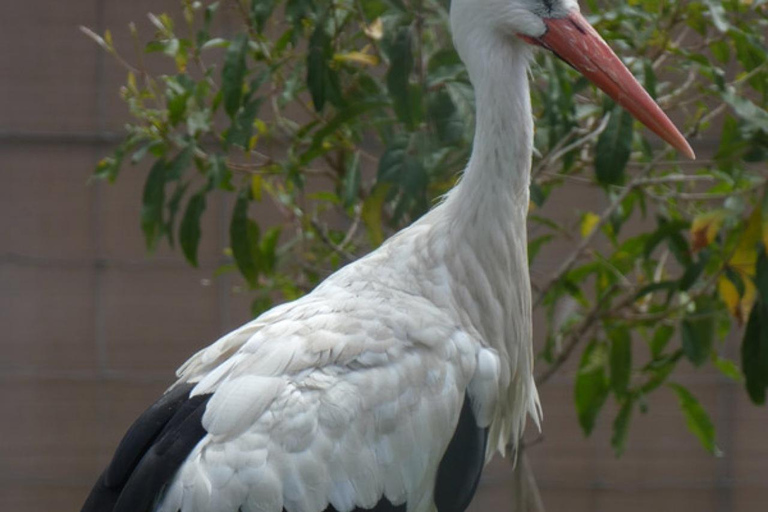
(687, 150)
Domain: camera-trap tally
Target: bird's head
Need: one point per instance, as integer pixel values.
(558, 26)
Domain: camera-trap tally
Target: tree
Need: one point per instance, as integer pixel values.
(353, 116)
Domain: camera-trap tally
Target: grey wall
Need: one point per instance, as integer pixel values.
(92, 327)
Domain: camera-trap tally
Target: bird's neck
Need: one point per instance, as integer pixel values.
(484, 217)
(499, 167)
(480, 232)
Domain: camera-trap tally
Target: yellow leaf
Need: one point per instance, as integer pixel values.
(738, 306)
(744, 257)
(252, 142)
(371, 213)
(743, 262)
(256, 186)
(375, 30)
(357, 57)
(705, 228)
(588, 224)
(132, 82)
(261, 126)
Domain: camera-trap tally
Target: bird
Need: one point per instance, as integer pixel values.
(391, 384)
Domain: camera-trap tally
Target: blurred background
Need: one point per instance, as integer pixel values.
(93, 327)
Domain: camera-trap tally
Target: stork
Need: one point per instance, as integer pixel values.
(389, 386)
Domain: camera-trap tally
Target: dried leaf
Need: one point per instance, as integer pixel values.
(739, 305)
(705, 228)
(736, 287)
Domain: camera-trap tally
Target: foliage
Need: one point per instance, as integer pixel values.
(298, 103)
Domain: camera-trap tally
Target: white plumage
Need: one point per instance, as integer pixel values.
(353, 394)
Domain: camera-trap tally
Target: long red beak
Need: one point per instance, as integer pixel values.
(575, 41)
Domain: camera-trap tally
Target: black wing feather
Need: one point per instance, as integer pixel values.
(150, 453)
(461, 465)
(158, 442)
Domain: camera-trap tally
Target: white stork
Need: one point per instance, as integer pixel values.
(391, 385)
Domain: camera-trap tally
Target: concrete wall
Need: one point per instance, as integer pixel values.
(92, 327)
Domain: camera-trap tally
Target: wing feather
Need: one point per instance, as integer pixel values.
(312, 424)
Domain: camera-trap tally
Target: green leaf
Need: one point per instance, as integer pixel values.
(351, 183)
(391, 161)
(204, 34)
(240, 235)
(268, 249)
(620, 359)
(613, 148)
(177, 106)
(198, 121)
(340, 120)
(670, 230)
(443, 114)
(621, 426)
(535, 245)
(717, 11)
(729, 369)
(694, 271)
(219, 174)
(152, 203)
(698, 333)
(260, 304)
(241, 130)
(696, 418)
(755, 116)
(650, 79)
(659, 370)
(181, 163)
(591, 388)
(108, 168)
(398, 75)
(660, 339)
(261, 10)
(721, 51)
(754, 354)
(754, 347)
(173, 209)
(537, 194)
(189, 231)
(233, 74)
(296, 11)
(322, 80)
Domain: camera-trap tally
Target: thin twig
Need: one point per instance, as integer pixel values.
(353, 228)
(571, 260)
(575, 337)
(348, 256)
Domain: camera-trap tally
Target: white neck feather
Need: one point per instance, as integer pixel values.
(481, 228)
(484, 216)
